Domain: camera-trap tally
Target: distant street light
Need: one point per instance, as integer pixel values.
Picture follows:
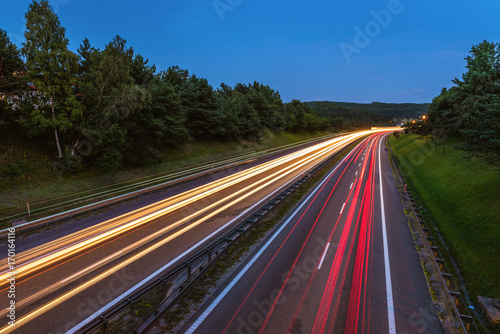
(424, 117)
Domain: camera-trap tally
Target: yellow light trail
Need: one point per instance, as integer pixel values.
(60, 249)
(176, 202)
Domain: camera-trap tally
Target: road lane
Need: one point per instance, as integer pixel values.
(326, 271)
(84, 264)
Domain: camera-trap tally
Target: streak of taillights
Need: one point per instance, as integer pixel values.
(199, 193)
(324, 149)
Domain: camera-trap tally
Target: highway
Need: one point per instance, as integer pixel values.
(65, 276)
(343, 262)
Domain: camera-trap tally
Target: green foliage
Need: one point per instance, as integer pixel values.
(13, 81)
(456, 192)
(111, 100)
(299, 117)
(242, 120)
(393, 110)
(51, 68)
(348, 117)
(198, 102)
(110, 108)
(472, 107)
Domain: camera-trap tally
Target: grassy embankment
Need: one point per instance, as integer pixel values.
(463, 198)
(26, 174)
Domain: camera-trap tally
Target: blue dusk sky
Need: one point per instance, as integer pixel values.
(337, 50)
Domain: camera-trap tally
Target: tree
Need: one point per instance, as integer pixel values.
(480, 89)
(176, 76)
(110, 98)
(301, 118)
(141, 71)
(198, 101)
(241, 119)
(444, 119)
(12, 77)
(51, 68)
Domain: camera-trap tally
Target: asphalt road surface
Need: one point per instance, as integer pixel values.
(343, 262)
(66, 276)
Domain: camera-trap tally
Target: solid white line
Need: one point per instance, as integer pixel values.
(342, 208)
(356, 173)
(162, 269)
(351, 185)
(235, 280)
(388, 283)
(360, 164)
(323, 256)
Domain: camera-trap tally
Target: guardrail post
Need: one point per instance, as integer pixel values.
(447, 279)
(189, 269)
(132, 307)
(434, 250)
(440, 263)
(456, 296)
(467, 320)
(105, 325)
(209, 255)
(430, 240)
(163, 285)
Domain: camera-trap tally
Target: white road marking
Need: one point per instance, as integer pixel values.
(356, 173)
(162, 269)
(217, 300)
(351, 185)
(342, 208)
(388, 282)
(323, 256)
(360, 164)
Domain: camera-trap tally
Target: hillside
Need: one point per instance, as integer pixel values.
(342, 117)
(395, 110)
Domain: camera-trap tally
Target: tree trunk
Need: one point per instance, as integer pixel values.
(55, 129)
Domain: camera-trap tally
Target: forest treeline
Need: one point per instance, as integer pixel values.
(395, 110)
(111, 108)
(470, 109)
(342, 117)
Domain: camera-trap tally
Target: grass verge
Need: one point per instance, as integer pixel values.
(462, 196)
(26, 175)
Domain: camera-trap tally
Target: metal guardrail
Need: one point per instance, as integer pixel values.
(179, 280)
(117, 199)
(106, 203)
(465, 320)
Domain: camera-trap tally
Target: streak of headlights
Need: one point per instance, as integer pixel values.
(271, 179)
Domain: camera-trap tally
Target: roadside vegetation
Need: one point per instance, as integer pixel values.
(32, 179)
(109, 108)
(463, 198)
(452, 158)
